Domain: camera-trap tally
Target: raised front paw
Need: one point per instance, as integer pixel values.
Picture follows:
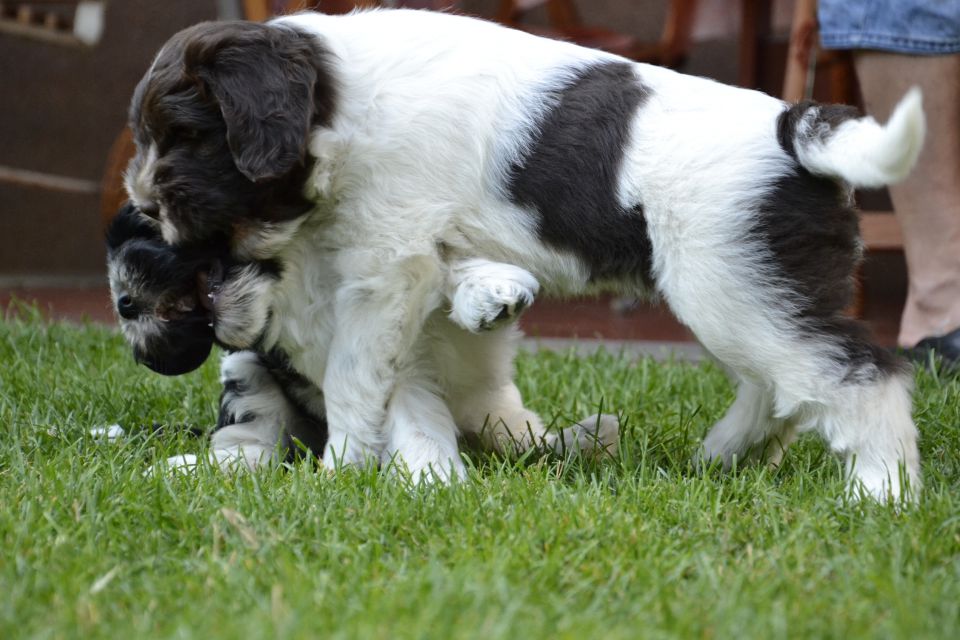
(490, 294)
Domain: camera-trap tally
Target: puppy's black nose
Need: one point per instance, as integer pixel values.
(126, 307)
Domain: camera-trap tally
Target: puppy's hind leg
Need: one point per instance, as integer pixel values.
(868, 421)
(749, 429)
(825, 377)
(486, 402)
(497, 414)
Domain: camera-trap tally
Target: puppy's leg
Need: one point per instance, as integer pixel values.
(485, 401)
(485, 294)
(870, 425)
(749, 429)
(422, 435)
(379, 317)
(250, 428)
(860, 405)
(497, 414)
(242, 303)
(821, 375)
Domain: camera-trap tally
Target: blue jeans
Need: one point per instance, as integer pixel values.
(919, 27)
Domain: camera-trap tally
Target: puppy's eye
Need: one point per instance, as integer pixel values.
(151, 210)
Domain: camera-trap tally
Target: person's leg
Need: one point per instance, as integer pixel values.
(927, 203)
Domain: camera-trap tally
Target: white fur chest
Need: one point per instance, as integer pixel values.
(302, 310)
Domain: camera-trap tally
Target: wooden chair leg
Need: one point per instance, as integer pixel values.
(678, 31)
(112, 192)
(801, 55)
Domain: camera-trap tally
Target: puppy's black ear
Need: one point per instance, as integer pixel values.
(271, 86)
(129, 224)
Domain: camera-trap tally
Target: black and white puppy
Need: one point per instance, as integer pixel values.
(154, 286)
(370, 154)
(167, 301)
(174, 303)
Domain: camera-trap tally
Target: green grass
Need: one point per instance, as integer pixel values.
(637, 546)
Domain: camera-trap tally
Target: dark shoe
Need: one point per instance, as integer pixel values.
(945, 347)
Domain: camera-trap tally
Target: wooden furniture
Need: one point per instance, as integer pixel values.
(880, 229)
(67, 22)
(62, 22)
(805, 58)
(112, 192)
(262, 9)
(564, 23)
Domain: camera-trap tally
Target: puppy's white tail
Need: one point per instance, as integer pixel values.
(831, 140)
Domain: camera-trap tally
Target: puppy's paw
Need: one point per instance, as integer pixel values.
(599, 434)
(241, 304)
(183, 464)
(229, 460)
(490, 294)
(441, 472)
(899, 486)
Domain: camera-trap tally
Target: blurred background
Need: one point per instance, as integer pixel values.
(68, 68)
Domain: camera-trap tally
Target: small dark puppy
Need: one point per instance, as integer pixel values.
(156, 291)
(167, 300)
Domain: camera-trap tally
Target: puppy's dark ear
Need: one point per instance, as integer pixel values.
(129, 224)
(266, 80)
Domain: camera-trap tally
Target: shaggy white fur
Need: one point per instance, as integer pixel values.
(443, 138)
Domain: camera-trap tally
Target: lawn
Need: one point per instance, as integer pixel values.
(640, 546)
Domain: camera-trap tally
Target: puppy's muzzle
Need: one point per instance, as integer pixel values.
(180, 348)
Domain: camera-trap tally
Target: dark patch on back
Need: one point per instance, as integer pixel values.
(828, 117)
(571, 173)
(813, 234)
